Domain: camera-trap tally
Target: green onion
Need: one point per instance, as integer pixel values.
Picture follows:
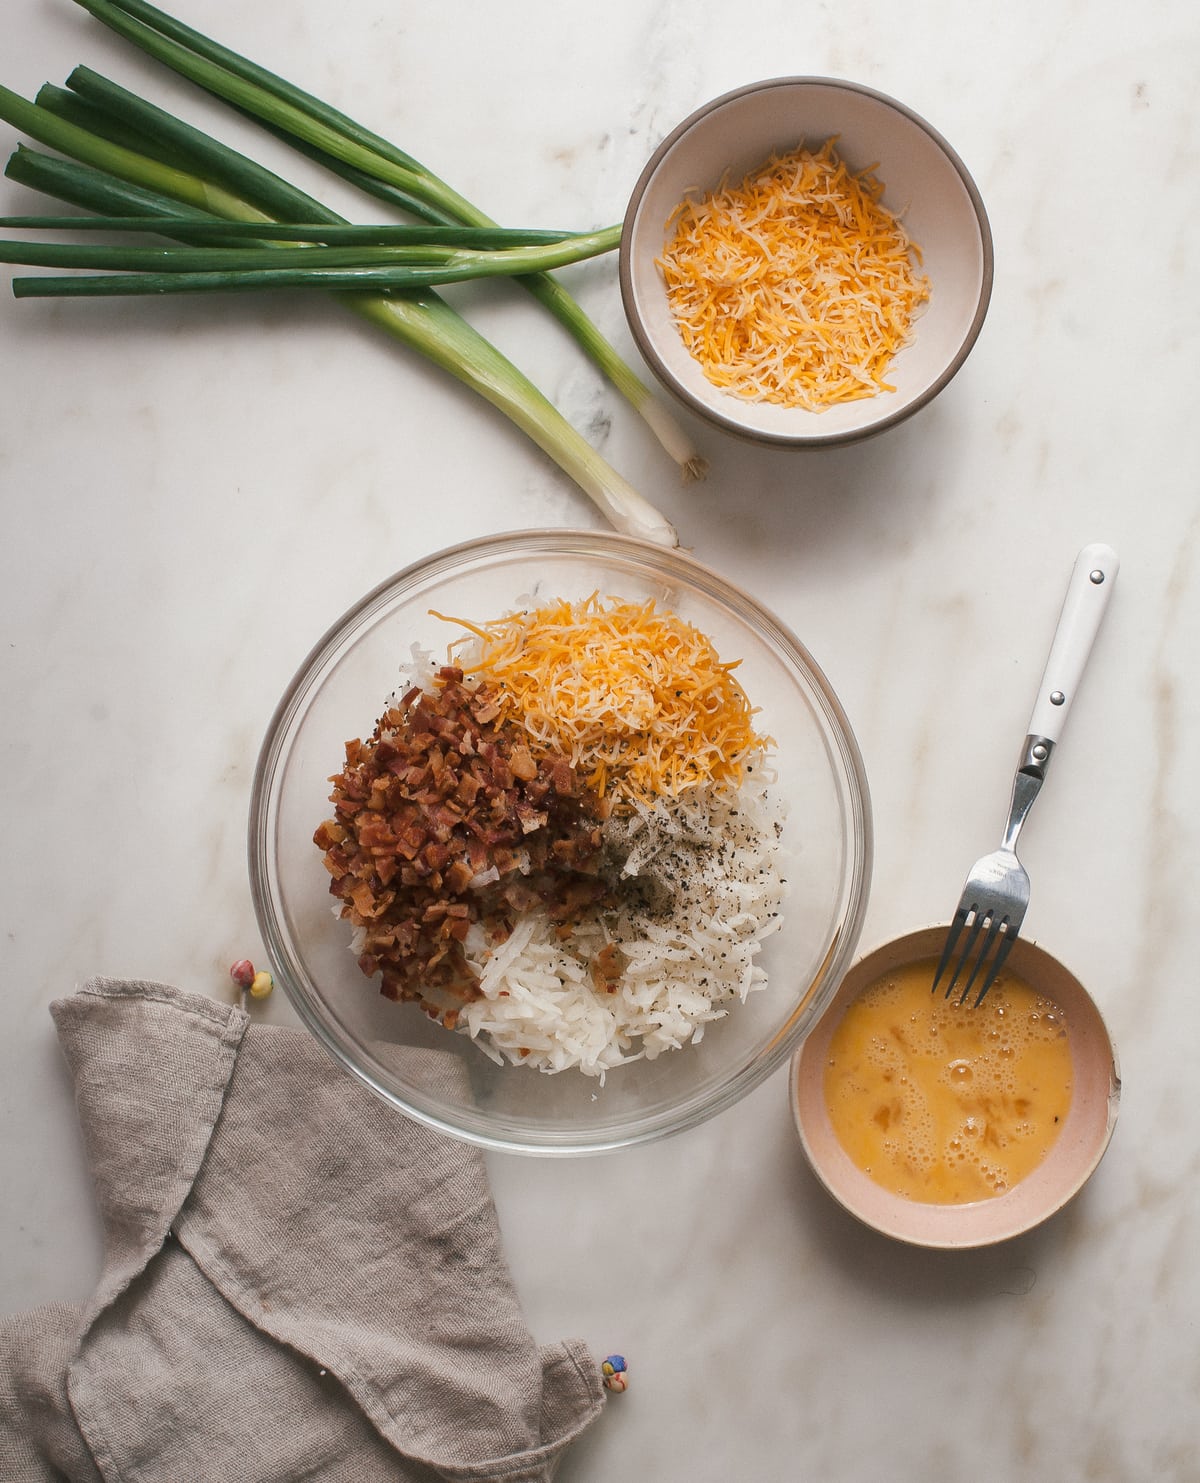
(394, 266)
(365, 235)
(428, 323)
(347, 279)
(137, 168)
(113, 178)
(326, 134)
(97, 190)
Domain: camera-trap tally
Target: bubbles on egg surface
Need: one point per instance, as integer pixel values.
(993, 1176)
(941, 1109)
(1046, 1022)
(886, 1055)
(960, 1073)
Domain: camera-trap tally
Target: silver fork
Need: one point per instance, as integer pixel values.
(996, 894)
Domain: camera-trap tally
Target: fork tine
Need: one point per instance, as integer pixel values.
(952, 936)
(1002, 952)
(994, 926)
(1002, 933)
(979, 917)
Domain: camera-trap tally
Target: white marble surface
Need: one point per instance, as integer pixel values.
(192, 492)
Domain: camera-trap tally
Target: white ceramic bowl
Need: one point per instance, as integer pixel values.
(1070, 1163)
(924, 180)
(337, 694)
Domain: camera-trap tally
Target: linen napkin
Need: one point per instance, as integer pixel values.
(298, 1283)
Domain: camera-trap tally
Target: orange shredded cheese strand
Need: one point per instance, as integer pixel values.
(796, 287)
(636, 697)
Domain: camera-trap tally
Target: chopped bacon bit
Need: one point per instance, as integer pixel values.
(329, 834)
(445, 791)
(607, 967)
(522, 764)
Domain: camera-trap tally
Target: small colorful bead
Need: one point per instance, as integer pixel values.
(614, 1371)
(242, 973)
(261, 985)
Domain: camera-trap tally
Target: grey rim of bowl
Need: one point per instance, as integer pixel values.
(261, 823)
(800, 440)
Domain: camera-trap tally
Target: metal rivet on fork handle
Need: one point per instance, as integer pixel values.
(996, 894)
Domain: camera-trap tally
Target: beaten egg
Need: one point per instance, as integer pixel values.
(945, 1103)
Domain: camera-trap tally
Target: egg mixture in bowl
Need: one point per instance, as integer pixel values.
(578, 814)
(954, 1125)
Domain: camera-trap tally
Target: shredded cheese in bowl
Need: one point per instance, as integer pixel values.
(796, 286)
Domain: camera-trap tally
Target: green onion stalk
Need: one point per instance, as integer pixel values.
(377, 166)
(309, 265)
(436, 239)
(184, 181)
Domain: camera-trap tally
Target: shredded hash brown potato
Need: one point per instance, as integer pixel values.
(695, 888)
(796, 286)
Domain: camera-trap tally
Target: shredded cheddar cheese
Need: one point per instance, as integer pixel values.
(635, 697)
(797, 286)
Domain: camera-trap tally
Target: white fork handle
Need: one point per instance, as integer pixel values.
(1087, 597)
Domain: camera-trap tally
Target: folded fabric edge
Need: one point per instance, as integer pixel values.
(573, 1393)
(139, 1238)
(106, 987)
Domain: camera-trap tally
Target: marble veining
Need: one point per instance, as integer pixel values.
(192, 493)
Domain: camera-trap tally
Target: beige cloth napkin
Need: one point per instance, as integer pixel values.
(298, 1282)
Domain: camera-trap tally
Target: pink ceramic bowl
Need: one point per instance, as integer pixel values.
(1095, 1098)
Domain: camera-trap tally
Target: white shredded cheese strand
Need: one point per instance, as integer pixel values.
(638, 699)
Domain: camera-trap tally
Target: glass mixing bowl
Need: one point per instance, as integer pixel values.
(338, 694)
